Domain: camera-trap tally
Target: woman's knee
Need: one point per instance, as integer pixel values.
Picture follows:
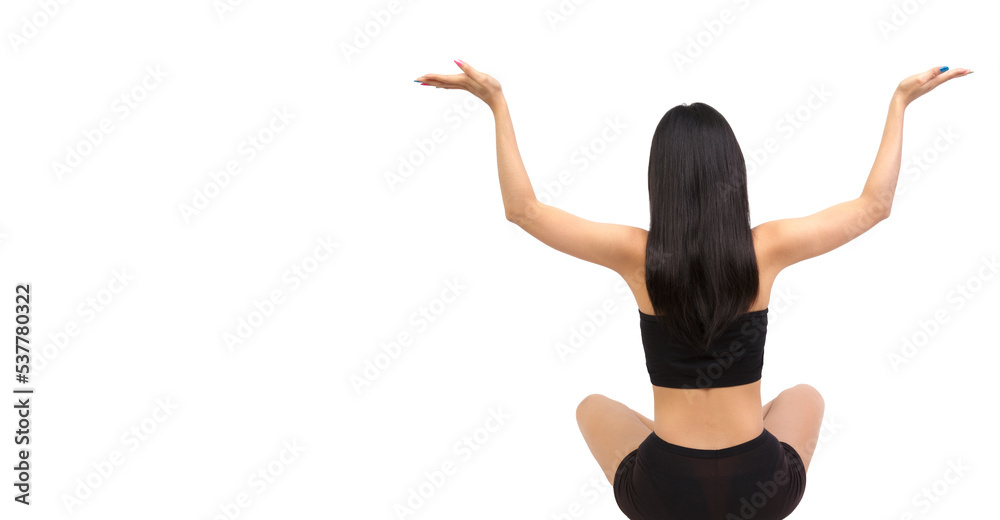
(809, 394)
(589, 404)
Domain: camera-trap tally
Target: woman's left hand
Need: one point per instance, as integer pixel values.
(481, 85)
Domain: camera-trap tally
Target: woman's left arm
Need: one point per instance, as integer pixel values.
(615, 246)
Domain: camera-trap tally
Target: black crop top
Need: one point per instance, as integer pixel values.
(735, 358)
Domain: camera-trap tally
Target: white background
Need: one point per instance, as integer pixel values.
(355, 117)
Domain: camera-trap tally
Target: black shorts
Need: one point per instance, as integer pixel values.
(762, 479)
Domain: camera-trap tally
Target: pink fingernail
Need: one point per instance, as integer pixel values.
(458, 62)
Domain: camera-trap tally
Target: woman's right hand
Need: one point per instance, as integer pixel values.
(919, 84)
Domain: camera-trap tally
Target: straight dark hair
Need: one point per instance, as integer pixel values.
(701, 269)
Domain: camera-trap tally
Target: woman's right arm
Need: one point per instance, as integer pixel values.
(792, 240)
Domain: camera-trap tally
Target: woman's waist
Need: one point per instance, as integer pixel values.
(708, 418)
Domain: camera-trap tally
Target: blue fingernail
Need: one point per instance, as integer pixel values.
(416, 81)
(942, 69)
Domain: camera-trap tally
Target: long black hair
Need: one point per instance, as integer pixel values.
(701, 269)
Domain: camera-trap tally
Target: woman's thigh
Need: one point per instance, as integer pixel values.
(795, 417)
(611, 429)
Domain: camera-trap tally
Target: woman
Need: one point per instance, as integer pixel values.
(702, 279)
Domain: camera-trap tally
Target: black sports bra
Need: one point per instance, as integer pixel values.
(735, 358)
